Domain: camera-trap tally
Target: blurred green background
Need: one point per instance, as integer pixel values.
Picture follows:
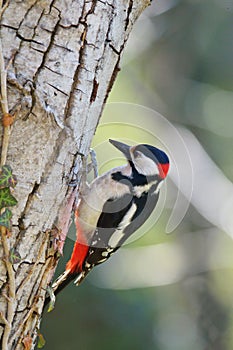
(169, 289)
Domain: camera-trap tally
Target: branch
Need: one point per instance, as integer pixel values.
(34, 307)
(7, 119)
(3, 319)
(5, 141)
(2, 8)
(4, 105)
(11, 291)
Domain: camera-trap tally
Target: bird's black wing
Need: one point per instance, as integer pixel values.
(145, 206)
(113, 213)
(114, 210)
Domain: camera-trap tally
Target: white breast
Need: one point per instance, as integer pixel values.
(92, 202)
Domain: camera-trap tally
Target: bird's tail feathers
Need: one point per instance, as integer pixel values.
(59, 284)
(62, 281)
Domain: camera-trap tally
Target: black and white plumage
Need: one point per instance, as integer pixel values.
(113, 207)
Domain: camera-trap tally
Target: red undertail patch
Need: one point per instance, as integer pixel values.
(80, 250)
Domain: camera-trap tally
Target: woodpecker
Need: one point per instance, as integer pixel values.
(113, 207)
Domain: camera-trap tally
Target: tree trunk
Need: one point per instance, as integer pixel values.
(62, 58)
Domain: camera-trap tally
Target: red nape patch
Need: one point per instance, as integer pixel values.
(163, 170)
(80, 250)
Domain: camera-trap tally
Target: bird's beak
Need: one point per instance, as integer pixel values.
(125, 149)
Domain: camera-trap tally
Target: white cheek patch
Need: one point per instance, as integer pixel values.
(146, 166)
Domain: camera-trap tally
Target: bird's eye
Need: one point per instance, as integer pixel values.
(137, 154)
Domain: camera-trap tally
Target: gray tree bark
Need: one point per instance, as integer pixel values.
(62, 58)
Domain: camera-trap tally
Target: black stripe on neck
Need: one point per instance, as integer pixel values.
(136, 179)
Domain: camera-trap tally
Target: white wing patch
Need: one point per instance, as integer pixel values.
(139, 190)
(119, 234)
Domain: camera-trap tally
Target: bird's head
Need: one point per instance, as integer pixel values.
(146, 159)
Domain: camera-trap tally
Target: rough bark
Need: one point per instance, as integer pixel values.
(63, 57)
